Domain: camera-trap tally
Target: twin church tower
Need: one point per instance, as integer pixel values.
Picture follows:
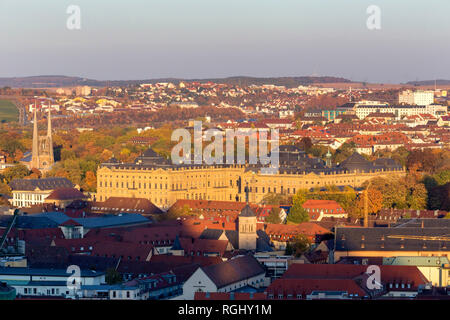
(42, 151)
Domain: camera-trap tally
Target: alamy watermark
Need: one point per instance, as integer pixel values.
(74, 280)
(374, 20)
(74, 20)
(374, 280)
(213, 153)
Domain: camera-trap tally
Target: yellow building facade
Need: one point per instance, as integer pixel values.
(164, 185)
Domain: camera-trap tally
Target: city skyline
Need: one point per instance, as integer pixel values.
(238, 154)
(199, 39)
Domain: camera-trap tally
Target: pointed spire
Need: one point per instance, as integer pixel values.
(49, 125)
(176, 244)
(49, 137)
(35, 147)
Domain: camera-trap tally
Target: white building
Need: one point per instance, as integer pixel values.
(227, 276)
(112, 292)
(420, 97)
(49, 282)
(435, 269)
(400, 111)
(30, 192)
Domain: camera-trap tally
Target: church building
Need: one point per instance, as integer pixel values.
(42, 157)
(247, 229)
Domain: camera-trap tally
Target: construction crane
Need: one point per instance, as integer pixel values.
(7, 230)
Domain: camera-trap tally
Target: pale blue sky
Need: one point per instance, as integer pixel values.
(142, 39)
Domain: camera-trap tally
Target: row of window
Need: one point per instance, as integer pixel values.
(49, 291)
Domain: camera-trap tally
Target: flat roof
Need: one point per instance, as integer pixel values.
(46, 272)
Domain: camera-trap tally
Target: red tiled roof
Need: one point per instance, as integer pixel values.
(66, 194)
(328, 207)
(321, 204)
(389, 274)
(286, 232)
(70, 222)
(305, 287)
(123, 204)
(154, 235)
(203, 246)
(128, 251)
(227, 296)
(184, 260)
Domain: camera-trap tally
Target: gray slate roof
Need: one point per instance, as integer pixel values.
(54, 219)
(45, 272)
(234, 270)
(42, 184)
(247, 212)
(378, 239)
(28, 222)
(262, 241)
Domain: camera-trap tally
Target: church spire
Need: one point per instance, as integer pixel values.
(42, 150)
(49, 136)
(35, 147)
(49, 125)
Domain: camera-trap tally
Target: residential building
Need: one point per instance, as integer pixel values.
(404, 240)
(319, 209)
(63, 197)
(47, 282)
(30, 192)
(344, 281)
(419, 97)
(227, 276)
(436, 269)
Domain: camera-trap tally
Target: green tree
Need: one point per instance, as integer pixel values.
(297, 214)
(300, 197)
(343, 152)
(275, 199)
(177, 212)
(17, 172)
(113, 276)
(274, 216)
(300, 245)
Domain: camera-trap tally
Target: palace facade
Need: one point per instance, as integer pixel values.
(155, 178)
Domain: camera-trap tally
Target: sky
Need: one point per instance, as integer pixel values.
(145, 39)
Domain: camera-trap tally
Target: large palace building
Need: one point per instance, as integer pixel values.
(155, 178)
